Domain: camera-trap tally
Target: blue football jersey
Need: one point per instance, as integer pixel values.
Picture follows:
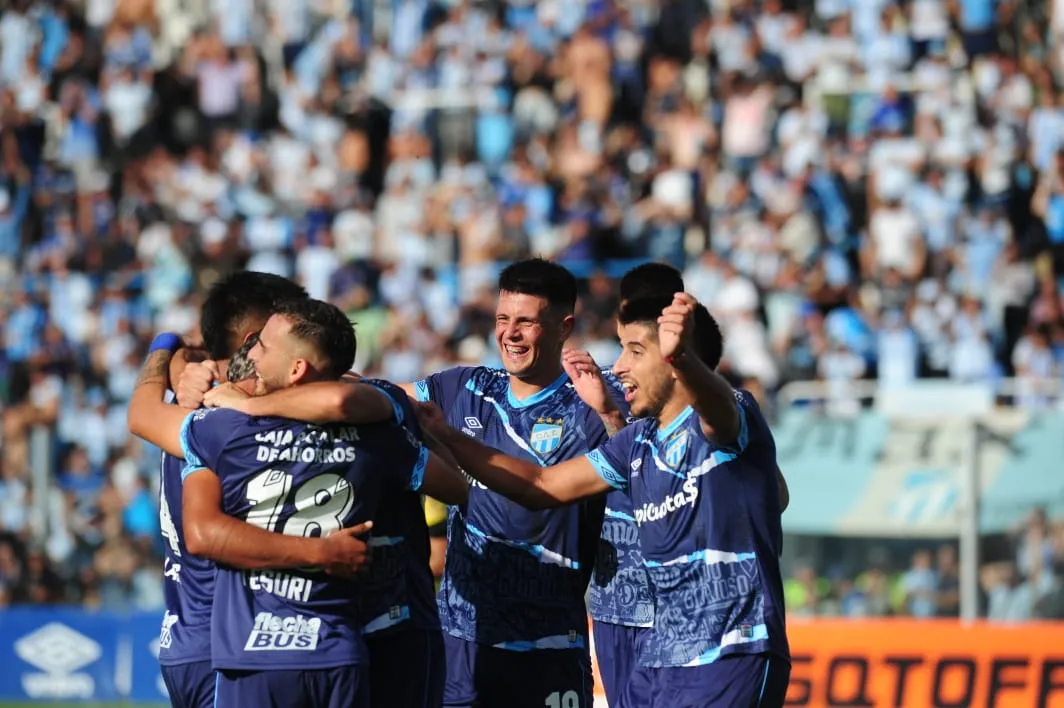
(710, 531)
(620, 589)
(514, 578)
(300, 480)
(188, 581)
(399, 589)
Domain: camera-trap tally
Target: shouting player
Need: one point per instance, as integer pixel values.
(700, 471)
(289, 638)
(234, 307)
(620, 602)
(512, 596)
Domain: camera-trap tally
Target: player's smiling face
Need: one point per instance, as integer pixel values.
(526, 333)
(647, 379)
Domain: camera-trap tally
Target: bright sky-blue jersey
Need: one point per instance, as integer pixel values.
(300, 480)
(709, 528)
(188, 581)
(620, 589)
(515, 578)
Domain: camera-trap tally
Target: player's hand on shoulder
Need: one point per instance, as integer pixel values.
(196, 380)
(587, 380)
(431, 418)
(676, 325)
(344, 552)
(226, 395)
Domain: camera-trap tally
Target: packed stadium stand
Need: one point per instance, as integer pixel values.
(868, 194)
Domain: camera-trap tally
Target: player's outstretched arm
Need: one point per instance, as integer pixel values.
(211, 533)
(320, 403)
(149, 417)
(530, 485)
(443, 479)
(714, 397)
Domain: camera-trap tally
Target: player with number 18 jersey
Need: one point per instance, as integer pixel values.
(296, 479)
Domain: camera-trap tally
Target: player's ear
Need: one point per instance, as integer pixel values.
(298, 371)
(566, 327)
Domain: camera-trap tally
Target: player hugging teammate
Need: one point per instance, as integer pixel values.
(553, 450)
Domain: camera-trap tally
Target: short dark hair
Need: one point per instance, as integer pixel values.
(235, 298)
(708, 340)
(650, 280)
(541, 278)
(325, 328)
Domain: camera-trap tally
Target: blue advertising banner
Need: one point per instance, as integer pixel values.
(71, 654)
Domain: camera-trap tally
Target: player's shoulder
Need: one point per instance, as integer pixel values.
(214, 419)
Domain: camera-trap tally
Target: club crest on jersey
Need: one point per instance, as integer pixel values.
(546, 435)
(676, 449)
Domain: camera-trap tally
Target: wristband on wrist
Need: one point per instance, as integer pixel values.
(167, 341)
(676, 358)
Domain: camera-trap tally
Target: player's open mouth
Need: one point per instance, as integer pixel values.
(515, 352)
(629, 391)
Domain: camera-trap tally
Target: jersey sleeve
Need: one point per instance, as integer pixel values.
(204, 436)
(444, 387)
(612, 459)
(402, 411)
(749, 416)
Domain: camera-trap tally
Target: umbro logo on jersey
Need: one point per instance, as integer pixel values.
(473, 423)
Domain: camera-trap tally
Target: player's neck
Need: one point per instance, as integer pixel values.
(677, 404)
(531, 385)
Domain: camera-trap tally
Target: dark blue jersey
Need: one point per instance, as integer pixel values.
(188, 581)
(399, 589)
(515, 578)
(620, 589)
(709, 527)
(299, 480)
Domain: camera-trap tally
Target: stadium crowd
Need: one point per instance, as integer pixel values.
(857, 189)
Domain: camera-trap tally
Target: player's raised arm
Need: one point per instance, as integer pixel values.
(211, 533)
(528, 484)
(149, 417)
(714, 398)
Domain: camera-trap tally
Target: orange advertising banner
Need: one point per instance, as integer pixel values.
(907, 663)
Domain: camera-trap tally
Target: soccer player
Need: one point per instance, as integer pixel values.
(401, 625)
(620, 601)
(700, 470)
(297, 480)
(512, 596)
(234, 307)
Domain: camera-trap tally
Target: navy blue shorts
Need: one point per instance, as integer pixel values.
(341, 687)
(406, 669)
(617, 652)
(735, 681)
(190, 685)
(480, 676)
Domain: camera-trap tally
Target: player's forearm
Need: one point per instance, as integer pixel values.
(323, 402)
(714, 398)
(513, 478)
(148, 415)
(232, 542)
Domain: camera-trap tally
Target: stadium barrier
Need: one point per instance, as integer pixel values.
(79, 655)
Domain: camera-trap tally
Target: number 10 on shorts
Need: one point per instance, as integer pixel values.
(569, 699)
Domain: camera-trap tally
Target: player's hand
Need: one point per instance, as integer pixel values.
(432, 419)
(587, 380)
(675, 326)
(226, 395)
(196, 380)
(344, 552)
